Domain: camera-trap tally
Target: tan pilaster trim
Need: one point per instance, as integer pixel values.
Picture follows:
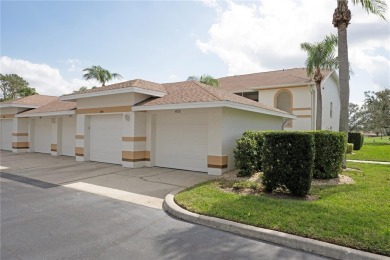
(79, 151)
(19, 134)
(20, 145)
(215, 161)
(79, 136)
(102, 110)
(53, 147)
(135, 156)
(301, 108)
(7, 116)
(134, 139)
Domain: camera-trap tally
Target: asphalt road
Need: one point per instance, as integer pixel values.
(44, 221)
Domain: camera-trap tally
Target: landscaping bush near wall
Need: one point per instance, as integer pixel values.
(349, 148)
(248, 153)
(329, 153)
(288, 159)
(356, 139)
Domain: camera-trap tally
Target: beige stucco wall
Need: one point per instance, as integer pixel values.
(301, 105)
(125, 99)
(235, 122)
(330, 93)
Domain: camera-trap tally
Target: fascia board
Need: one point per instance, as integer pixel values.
(212, 105)
(113, 92)
(57, 113)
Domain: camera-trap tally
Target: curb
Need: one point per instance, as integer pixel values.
(284, 239)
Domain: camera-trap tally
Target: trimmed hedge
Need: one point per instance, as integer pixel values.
(288, 159)
(349, 148)
(248, 153)
(329, 153)
(356, 139)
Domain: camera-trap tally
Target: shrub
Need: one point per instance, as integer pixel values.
(248, 153)
(356, 139)
(288, 161)
(245, 185)
(329, 153)
(349, 147)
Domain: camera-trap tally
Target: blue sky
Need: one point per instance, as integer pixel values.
(50, 42)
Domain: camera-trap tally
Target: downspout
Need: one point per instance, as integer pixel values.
(285, 120)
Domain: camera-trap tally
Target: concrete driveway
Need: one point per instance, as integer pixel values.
(99, 178)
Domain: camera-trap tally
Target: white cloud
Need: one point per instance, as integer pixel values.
(74, 64)
(259, 36)
(45, 79)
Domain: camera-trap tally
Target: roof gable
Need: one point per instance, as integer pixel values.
(194, 92)
(241, 83)
(33, 101)
(118, 88)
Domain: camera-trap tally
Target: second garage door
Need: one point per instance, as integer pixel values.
(6, 134)
(68, 136)
(106, 138)
(42, 135)
(181, 141)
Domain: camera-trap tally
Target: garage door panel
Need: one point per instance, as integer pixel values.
(68, 136)
(6, 134)
(106, 138)
(181, 141)
(42, 135)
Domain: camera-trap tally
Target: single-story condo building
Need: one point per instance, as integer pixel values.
(137, 123)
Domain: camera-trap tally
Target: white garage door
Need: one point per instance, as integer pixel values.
(42, 135)
(106, 138)
(68, 135)
(181, 141)
(6, 134)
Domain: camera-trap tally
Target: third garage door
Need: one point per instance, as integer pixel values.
(106, 138)
(42, 135)
(181, 141)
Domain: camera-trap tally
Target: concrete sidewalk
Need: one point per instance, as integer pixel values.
(373, 162)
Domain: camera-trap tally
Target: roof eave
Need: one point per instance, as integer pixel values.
(283, 86)
(18, 105)
(54, 113)
(213, 104)
(73, 97)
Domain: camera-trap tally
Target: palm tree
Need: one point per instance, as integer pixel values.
(341, 19)
(100, 74)
(320, 56)
(205, 79)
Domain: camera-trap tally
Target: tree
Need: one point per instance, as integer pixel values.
(320, 56)
(377, 106)
(341, 19)
(13, 86)
(205, 79)
(357, 117)
(83, 88)
(100, 74)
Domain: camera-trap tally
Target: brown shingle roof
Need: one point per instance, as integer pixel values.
(54, 106)
(138, 83)
(34, 100)
(266, 79)
(193, 91)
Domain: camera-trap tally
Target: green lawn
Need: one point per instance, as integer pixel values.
(356, 216)
(374, 149)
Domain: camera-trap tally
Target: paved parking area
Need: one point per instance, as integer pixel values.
(41, 218)
(62, 170)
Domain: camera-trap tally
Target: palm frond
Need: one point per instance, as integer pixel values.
(377, 7)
